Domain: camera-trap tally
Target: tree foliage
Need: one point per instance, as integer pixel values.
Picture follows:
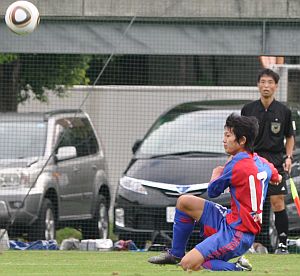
(24, 75)
(5, 58)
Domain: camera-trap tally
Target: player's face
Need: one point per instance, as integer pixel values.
(267, 86)
(231, 145)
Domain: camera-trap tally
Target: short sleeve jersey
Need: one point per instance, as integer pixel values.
(247, 176)
(275, 123)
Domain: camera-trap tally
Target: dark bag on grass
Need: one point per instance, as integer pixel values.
(36, 245)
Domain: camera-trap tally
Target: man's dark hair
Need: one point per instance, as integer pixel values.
(270, 73)
(243, 126)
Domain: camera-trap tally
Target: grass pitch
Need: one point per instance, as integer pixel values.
(125, 264)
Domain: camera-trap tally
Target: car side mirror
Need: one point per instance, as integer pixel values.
(65, 153)
(136, 145)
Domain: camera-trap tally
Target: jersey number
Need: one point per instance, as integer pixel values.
(261, 176)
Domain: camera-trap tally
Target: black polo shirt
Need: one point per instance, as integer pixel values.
(275, 123)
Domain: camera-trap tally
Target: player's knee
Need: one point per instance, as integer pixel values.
(189, 202)
(182, 202)
(278, 207)
(277, 203)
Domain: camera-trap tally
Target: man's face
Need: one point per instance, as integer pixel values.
(267, 86)
(231, 145)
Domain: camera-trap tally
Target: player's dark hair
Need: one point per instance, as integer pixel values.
(270, 73)
(243, 126)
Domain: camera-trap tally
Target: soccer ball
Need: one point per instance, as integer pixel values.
(22, 17)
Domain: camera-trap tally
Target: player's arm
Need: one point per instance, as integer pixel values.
(220, 180)
(276, 178)
(276, 181)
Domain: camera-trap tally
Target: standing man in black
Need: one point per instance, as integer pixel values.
(275, 126)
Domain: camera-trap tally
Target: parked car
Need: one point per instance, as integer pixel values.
(175, 157)
(52, 174)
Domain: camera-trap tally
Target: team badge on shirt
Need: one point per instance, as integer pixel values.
(275, 127)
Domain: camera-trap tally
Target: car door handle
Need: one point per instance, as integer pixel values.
(94, 167)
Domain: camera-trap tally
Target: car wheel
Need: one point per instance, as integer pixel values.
(268, 236)
(44, 226)
(273, 237)
(98, 227)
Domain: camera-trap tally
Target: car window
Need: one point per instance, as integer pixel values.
(77, 132)
(91, 140)
(194, 131)
(22, 139)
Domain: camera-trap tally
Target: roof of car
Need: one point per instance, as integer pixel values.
(187, 107)
(231, 104)
(35, 116)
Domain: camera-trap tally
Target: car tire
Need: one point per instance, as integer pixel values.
(44, 227)
(98, 226)
(268, 236)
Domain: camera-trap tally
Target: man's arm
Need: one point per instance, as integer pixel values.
(270, 61)
(289, 146)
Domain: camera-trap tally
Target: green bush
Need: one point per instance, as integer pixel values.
(66, 233)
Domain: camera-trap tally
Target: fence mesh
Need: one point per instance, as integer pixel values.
(89, 141)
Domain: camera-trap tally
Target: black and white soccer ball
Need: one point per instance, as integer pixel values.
(22, 17)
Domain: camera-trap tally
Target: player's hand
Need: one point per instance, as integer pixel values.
(287, 165)
(192, 261)
(216, 172)
(277, 182)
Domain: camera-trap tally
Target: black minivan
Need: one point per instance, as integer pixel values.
(175, 157)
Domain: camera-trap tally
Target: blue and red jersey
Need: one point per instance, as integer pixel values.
(247, 176)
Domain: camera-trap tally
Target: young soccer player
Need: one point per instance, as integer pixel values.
(227, 233)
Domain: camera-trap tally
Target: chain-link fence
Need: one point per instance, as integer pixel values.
(104, 133)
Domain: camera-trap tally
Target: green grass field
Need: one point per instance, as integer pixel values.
(125, 264)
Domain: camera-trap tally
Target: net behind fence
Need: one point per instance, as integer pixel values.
(102, 145)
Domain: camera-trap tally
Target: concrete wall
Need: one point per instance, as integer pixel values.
(200, 9)
(244, 27)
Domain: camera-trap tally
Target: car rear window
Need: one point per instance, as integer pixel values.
(22, 139)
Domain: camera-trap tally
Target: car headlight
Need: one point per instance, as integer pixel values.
(133, 185)
(14, 177)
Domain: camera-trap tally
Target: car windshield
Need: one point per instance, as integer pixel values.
(193, 132)
(22, 139)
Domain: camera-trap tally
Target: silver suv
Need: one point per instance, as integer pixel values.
(52, 174)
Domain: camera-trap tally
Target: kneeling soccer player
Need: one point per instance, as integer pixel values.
(227, 233)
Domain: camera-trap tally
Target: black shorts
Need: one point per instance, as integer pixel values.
(280, 189)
